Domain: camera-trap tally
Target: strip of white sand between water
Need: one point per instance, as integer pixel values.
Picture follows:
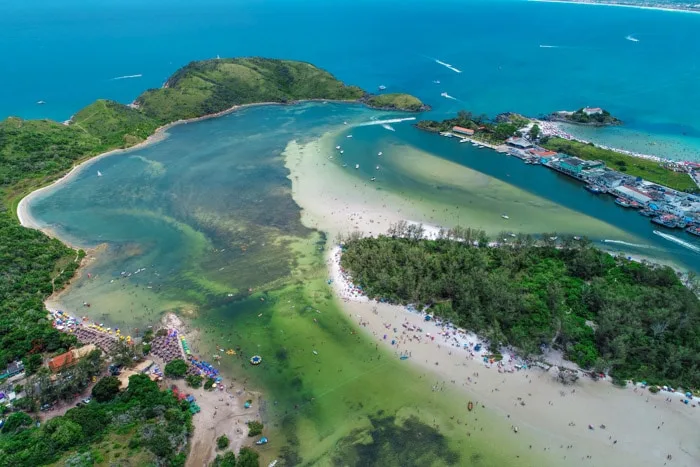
(532, 400)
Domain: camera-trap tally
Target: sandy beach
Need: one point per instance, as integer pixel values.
(629, 426)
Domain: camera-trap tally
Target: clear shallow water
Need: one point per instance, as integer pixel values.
(69, 53)
(208, 213)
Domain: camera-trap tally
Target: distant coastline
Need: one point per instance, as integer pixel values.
(679, 8)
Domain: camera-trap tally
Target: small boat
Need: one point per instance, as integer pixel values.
(693, 231)
(382, 87)
(349, 136)
(345, 123)
(647, 213)
(437, 81)
(41, 102)
(342, 152)
(99, 174)
(377, 167)
(379, 153)
(475, 144)
(576, 237)
(372, 179)
(623, 202)
(470, 406)
(465, 140)
(505, 216)
(444, 94)
(337, 147)
(261, 441)
(553, 238)
(314, 352)
(357, 166)
(596, 190)
(345, 165)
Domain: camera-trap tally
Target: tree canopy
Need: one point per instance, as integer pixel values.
(632, 319)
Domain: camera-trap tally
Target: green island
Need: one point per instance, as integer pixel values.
(586, 116)
(633, 320)
(636, 166)
(396, 101)
(34, 153)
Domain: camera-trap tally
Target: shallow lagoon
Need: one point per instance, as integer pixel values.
(208, 213)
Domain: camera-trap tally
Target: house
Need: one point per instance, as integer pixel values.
(13, 369)
(592, 110)
(520, 143)
(542, 153)
(462, 131)
(62, 361)
(70, 358)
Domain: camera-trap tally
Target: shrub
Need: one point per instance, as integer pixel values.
(653, 389)
(176, 368)
(247, 458)
(209, 384)
(222, 442)
(106, 389)
(254, 428)
(227, 460)
(194, 381)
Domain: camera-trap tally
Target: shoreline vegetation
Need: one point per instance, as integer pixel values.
(495, 134)
(605, 313)
(35, 155)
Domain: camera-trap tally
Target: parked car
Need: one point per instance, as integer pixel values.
(87, 400)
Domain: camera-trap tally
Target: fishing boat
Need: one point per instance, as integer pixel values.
(595, 189)
(623, 202)
(667, 221)
(470, 406)
(647, 213)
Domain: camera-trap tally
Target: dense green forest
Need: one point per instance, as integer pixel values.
(610, 314)
(151, 423)
(635, 166)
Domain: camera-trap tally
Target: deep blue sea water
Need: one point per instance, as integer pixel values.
(69, 53)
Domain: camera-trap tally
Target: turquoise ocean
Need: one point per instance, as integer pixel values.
(641, 65)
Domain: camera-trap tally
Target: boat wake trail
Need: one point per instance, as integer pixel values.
(632, 38)
(548, 46)
(386, 126)
(678, 241)
(384, 122)
(447, 96)
(634, 245)
(447, 65)
(127, 77)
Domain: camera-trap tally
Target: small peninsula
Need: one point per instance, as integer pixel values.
(34, 153)
(396, 101)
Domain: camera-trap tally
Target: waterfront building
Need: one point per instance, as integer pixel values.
(520, 143)
(462, 131)
(575, 166)
(632, 193)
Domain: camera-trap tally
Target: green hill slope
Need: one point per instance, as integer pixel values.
(212, 86)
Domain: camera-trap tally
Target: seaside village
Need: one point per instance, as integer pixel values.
(664, 206)
(165, 345)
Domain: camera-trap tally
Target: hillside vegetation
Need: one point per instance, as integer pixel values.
(396, 101)
(635, 166)
(212, 86)
(610, 314)
(114, 125)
